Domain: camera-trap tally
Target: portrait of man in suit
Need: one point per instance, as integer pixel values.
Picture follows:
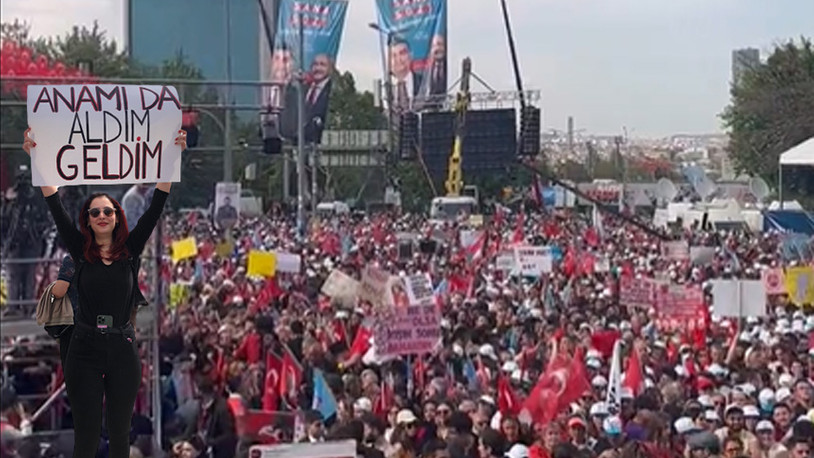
(404, 85)
(316, 97)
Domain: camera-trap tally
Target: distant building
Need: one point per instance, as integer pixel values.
(744, 60)
(158, 30)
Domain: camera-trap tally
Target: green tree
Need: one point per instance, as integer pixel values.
(772, 110)
(350, 109)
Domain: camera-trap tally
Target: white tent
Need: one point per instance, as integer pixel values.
(802, 154)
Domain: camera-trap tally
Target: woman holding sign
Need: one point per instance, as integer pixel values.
(103, 358)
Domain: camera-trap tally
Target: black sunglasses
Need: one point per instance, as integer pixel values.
(95, 212)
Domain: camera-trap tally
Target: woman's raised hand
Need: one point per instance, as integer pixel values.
(28, 143)
(181, 139)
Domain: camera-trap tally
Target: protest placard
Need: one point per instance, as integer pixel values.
(288, 262)
(533, 261)
(184, 249)
(677, 250)
(637, 292)
(341, 287)
(739, 298)
(680, 306)
(774, 280)
(331, 449)
(506, 261)
(104, 134)
(419, 289)
(410, 330)
(261, 264)
(396, 293)
(373, 287)
(227, 204)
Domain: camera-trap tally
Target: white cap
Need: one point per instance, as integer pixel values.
(487, 351)
(518, 451)
(765, 396)
(782, 394)
(509, 366)
(626, 393)
(363, 404)
(405, 416)
(764, 425)
(705, 400)
(599, 409)
(785, 380)
(684, 425)
(711, 415)
(599, 381)
(751, 412)
(593, 363)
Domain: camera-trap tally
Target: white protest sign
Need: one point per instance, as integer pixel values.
(330, 449)
(506, 261)
(288, 262)
(739, 298)
(373, 287)
(419, 289)
(396, 293)
(533, 261)
(104, 134)
(677, 250)
(341, 287)
(411, 330)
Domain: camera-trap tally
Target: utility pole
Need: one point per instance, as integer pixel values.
(571, 135)
(301, 131)
(227, 141)
(314, 176)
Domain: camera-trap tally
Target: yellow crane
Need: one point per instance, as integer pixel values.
(455, 179)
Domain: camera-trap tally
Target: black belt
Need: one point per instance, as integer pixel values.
(120, 330)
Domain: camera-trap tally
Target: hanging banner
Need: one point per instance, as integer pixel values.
(321, 23)
(680, 307)
(416, 36)
(409, 330)
(104, 134)
(637, 292)
(800, 285)
(227, 204)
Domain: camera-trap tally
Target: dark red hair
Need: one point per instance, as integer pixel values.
(118, 247)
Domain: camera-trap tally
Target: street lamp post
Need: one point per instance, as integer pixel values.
(388, 87)
(301, 132)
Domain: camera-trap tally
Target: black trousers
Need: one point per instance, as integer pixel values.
(97, 366)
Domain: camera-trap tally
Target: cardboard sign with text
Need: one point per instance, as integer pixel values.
(680, 307)
(373, 287)
(419, 289)
(533, 261)
(341, 287)
(677, 250)
(637, 292)
(104, 134)
(410, 330)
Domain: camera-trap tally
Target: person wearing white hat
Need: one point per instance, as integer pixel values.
(767, 444)
(518, 451)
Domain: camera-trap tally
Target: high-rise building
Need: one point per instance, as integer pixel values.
(206, 32)
(743, 60)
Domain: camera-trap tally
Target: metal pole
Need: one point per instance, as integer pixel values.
(301, 132)
(155, 374)
(286, 177)
(227, 141)
(314, 176)
(780, 184)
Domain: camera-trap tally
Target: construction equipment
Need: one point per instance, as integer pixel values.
(455, 180)
(460, 200)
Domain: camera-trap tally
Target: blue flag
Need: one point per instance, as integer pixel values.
(470, 373)
(324, 400)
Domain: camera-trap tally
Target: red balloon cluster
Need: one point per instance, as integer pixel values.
(21, 62)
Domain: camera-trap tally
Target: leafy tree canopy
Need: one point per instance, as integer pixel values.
(772, 110)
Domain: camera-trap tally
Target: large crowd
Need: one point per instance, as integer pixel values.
(549, 365)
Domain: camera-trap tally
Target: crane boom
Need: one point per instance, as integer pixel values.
(455, 180)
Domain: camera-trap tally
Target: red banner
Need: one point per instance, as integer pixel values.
(680, 307)
(637, 292)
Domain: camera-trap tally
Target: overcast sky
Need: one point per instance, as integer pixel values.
(657, 67)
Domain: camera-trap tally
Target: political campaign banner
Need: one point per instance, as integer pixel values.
(320, 22)
(104, 134)
(416, 39)
(227, 204)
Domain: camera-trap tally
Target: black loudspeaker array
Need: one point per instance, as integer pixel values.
(530, 131)
(407, 135)
(490, 141)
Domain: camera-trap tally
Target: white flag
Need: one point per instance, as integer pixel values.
(614, 396)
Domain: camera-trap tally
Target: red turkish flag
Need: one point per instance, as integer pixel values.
(274, 367)
(562, 383)
(507, 401)
(634, 378)
(290, 378)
